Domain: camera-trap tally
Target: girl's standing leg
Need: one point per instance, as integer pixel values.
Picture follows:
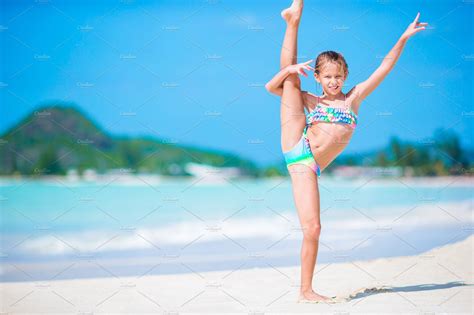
(304, 180)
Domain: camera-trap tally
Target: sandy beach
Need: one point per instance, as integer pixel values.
(439, 280)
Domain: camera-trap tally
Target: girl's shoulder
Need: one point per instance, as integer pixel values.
(353, 98)
(310, 100)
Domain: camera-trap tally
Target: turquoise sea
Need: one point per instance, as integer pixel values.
(58, 229)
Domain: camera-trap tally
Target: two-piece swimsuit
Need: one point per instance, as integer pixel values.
(301, 151)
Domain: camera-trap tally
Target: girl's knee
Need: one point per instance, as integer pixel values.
(294, 80)
(312, 232)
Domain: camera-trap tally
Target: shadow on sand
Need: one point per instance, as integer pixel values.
(365, 292)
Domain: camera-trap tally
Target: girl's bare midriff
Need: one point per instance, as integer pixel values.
(328, 139)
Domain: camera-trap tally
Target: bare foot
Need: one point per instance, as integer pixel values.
(313, 297)
(292, 14)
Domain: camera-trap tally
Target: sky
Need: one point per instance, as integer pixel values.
(193, 72)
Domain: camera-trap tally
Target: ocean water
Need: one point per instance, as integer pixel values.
(55, 229)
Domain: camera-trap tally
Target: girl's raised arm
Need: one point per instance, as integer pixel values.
(275, 85)
(366, 87)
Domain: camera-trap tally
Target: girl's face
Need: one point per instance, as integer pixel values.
(331, 78)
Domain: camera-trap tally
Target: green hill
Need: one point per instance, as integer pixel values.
(55, 138)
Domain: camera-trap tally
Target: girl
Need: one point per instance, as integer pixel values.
(308, 147)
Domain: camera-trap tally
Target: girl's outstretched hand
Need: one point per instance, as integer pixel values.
(414, 27)
(300, 67)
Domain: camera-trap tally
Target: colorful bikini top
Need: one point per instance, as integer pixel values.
(324, 113)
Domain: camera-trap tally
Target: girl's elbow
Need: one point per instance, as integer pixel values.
(269, 88)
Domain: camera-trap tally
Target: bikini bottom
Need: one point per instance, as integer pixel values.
(301, 154)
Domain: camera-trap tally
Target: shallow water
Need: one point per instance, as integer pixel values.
(58, 229)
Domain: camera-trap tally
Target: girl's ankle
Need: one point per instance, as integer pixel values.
(303, 291)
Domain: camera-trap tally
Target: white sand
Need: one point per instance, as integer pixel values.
(427, 283)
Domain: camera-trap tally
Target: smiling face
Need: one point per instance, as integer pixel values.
(331, 78)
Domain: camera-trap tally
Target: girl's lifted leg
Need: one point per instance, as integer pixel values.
(292, 16)
(292, 115)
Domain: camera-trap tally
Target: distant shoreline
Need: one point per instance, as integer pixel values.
(452, 180)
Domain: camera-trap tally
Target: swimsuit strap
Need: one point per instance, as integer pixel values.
(349, 107)
(345, 98)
